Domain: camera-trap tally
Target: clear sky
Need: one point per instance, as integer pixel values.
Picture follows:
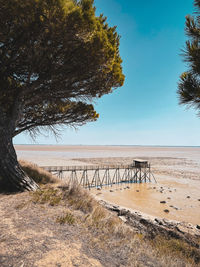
(145, 110)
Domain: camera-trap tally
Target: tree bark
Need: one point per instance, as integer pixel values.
(12, 177)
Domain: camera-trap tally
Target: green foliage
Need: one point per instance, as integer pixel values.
(189, 84)
(55, 57)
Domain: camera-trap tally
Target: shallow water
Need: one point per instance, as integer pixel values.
(181, 198)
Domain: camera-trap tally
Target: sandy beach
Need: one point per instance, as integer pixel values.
(177, 171)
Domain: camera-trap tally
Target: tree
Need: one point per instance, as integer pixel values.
(189, 84)
(56, 56)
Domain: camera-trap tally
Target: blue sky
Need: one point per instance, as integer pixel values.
(145, 110)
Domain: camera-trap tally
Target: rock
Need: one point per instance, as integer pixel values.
(98, 188)
(111, 191)
(113, 208)
(144, 221)
(154, 187)
(137, 190)
(180, 228)
(169, 198)
(163, 201)
(188, 196)
(123, 218)
(161, 191)
(198, 226)
(199, 199)
(170, 191)
(166, 211)
(128, 187)
(123, 212)
(158, 221)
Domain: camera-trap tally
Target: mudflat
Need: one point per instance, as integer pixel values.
(177, 171)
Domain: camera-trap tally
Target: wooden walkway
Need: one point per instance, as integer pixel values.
(98, 176)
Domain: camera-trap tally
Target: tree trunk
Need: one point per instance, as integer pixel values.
(12, 177)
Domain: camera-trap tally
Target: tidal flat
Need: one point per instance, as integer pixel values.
(176, 169)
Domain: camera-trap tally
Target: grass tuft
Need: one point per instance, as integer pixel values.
(79, 198)
(51, 196)
(39, 175)
(68, 218)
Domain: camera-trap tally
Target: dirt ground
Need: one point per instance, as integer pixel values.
(30, 236)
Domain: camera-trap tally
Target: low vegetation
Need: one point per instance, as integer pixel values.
(177, 248)
(48, 195)
(39, 175)
(108, 229)
(71, 212)
(68, 217)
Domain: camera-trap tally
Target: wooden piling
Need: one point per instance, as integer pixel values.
(139, 171)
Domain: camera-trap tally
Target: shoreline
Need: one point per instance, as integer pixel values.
(158, 200)
(150, 226)
(122, 211)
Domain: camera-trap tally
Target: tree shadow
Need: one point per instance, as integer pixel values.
(7, 189)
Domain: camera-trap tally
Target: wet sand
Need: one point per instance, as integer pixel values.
(177, 171)
(181, 199)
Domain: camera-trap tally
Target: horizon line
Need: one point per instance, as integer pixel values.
(106, 145)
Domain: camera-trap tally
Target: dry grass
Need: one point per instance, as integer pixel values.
(78, 198)
(95, 215)
(177, 248)
(102, 234)
(39, 175)
(109, 229)
(49, 195)
(67, 217)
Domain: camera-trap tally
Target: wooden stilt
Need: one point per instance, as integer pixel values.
(140, 172)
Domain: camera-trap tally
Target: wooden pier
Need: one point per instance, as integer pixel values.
(98, 176)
